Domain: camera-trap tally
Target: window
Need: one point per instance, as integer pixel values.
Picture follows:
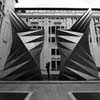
(23, 11)
(62, 27)
(39, 17)
(49, 29)
(42, 27)
(58, 65)
(57, 27)
(58, 52)
(34, 27)
(49, 39)
(39, 27)
(55, 65)
(35, 23)
(57, 23)
(55, 52)
(53, 30)
(52, 39)
(97, 39)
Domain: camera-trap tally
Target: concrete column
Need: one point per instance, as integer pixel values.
(46, 51)
(6, 33)
(5, 40)
(95, 49)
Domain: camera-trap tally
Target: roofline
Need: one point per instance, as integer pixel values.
(97, 9)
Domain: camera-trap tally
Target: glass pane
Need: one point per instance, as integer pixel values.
(58, 65)
(53, 65)
(39, 27)
(57, 27)
(58, 52)
(49, 30)
(53, 29)
(53, 52)
(53, 39)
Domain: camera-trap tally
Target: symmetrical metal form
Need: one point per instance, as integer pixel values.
(23, 60)
(77, 62)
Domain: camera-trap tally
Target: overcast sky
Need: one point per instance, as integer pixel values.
(59, 3)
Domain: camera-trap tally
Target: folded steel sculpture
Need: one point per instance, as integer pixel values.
(76, 59)
(22, 62)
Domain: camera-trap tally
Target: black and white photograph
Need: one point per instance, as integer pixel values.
(49, 50)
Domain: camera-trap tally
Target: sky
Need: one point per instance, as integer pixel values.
(59, 3)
